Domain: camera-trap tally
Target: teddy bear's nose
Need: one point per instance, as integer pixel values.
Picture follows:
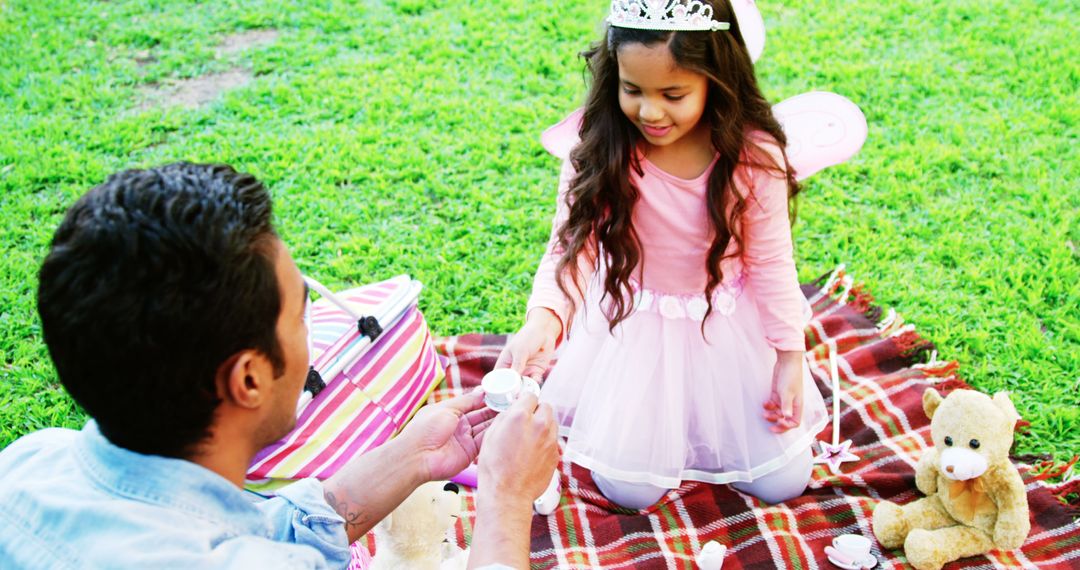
(949, 468)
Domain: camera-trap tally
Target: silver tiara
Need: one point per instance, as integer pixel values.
(666, 15)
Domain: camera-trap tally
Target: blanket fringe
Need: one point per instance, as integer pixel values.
(825, 281)
(912, 346)
(1050, 469)
(839, 287)
(864, 303)
(951, 384)
(1069, 495)
(1031, 458)
(944, 369)
(1067, 492)
(888, 320)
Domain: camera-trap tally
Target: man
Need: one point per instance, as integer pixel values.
(175, 317)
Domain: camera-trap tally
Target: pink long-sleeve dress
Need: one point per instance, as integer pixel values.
(655, 401)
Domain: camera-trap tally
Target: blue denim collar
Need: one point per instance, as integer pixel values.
(172, 483)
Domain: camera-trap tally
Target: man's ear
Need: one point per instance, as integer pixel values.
(241, 380)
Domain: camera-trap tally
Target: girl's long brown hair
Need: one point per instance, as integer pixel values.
(601, 196)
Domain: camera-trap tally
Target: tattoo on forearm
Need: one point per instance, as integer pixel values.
(341, 505)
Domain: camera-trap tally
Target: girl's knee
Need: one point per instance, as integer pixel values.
(784, 484)
(634, 496)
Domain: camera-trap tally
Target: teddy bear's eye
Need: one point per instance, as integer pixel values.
(974, 444)
(948, 441)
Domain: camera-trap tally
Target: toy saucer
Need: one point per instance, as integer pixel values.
(870, 562)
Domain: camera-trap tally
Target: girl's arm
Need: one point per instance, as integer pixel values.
(770, 269)
(770, 263)
(546, 293)
(548, 313)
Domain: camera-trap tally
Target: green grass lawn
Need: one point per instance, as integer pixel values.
(401, 136)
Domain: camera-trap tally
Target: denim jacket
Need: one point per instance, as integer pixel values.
(72, 499)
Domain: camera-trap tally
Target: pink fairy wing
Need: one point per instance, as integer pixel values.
(823, 129)
(561, 138)
(751, 26)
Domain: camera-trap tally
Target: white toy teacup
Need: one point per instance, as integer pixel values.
(851, 551)
(501, 387)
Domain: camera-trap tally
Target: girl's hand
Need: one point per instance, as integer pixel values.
(784, 406)
(530, 350)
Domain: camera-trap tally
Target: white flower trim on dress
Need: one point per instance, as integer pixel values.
(693, 307)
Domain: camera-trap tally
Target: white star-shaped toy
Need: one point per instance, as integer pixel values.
(833, 454)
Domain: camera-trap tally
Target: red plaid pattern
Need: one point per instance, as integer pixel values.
(882, 381)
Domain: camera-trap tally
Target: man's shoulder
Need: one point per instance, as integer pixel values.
(30, 450)
(45, 437)
(30, 468)
(67, 499)
(54, 510)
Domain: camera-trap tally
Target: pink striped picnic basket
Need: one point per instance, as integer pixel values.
(373, 365)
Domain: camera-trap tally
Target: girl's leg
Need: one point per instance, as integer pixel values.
(634, 496)
(785, 483)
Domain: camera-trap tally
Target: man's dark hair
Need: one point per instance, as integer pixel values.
(154, 280)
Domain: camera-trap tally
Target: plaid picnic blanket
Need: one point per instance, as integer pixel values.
(884, 368)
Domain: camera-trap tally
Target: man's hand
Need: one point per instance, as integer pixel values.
(518, 458)
(437, 444)
(446, 435)
(520, 451)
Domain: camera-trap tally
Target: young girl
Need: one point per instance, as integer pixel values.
(669, 277)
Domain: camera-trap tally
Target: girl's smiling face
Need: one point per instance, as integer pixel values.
(663, 100)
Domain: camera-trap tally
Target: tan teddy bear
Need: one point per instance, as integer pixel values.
(414, 536)
(975, 500)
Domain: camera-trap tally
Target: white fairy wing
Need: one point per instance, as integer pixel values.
(823, 129)
(560, 138)
(751, 26)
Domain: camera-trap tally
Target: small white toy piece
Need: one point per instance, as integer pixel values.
(546, 503)
(711, 556)
(851, 552)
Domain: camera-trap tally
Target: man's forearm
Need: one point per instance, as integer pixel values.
(501, 535)
(371, 486)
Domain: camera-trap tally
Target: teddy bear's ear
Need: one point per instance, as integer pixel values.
(1002, 401)
(931, 399)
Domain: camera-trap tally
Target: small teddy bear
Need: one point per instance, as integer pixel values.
(975, 500)
(414, 535)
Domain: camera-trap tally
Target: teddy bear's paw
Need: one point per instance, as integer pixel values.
(890, 525)
(1010, 538)
(923, 551)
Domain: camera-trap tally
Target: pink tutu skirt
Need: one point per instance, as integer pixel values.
(656, 402)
